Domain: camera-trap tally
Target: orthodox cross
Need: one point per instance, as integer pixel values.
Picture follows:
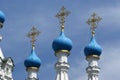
(61, 16)
(32, 35)
(93, 21)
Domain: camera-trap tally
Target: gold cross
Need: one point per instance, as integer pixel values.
(61, 16)
(32, 35)
(93, 21)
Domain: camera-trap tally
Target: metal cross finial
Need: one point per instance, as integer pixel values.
(32, 35)
(93, 21)
(61, 16)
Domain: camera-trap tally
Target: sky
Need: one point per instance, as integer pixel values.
(21, 15)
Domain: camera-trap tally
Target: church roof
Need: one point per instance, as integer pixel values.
(33, 60)
(93, 48)
(2, 17)
(62, 43)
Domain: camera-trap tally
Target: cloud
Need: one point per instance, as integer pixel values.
(110, 61)
(110, 14)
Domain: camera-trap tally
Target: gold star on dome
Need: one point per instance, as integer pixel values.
(93, 21)
(32, 35)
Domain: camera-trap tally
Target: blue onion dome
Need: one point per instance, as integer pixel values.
(93, 48)
(2, 17)
(62, 43)
(33, 60)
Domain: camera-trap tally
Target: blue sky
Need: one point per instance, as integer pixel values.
(21, 15)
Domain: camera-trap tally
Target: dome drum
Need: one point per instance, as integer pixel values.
(62, 51)
(32, 68)
(92, 56)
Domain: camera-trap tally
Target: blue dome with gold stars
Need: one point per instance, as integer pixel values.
(33, 60)
(93, 48)
(2, 17)
(62, 43)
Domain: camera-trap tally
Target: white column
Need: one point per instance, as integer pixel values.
(93, 69)
(1, 54)
(32, 73)
(62, 66)
(66, 76)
